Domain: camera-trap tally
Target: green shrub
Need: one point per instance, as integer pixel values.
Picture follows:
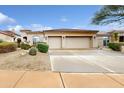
(42, 42)
(32, 51)
(6, 47)
(42, 47)
(34, 45)
(1, 40)
(25, 46)
(115, 46)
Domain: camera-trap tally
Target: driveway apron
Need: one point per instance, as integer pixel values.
(87, 61)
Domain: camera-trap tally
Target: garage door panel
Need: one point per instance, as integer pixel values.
(77, 42)
(55, 42)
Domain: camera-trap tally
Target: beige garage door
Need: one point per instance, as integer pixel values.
(54, 42)
(77, 42)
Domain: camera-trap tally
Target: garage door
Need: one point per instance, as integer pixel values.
(77, 42)
(55, 42)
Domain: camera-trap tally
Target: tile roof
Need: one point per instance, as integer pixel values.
(71, 30)
(9, 33)
(60, 30)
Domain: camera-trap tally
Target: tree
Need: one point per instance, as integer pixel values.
(115, 37)
(109, 14)
(18, 41)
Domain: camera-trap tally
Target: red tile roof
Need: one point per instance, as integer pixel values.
(8, 33)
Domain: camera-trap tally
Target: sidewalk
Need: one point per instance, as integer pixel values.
(35, 79)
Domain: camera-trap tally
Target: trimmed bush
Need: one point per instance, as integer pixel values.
(115, 46)
(1, 40)
(6, 47)
(42, 47)
(34, 45)
(25, 46)
(32, 51)
(41, 42)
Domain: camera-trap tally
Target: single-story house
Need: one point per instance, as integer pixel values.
(63, 38)
(116, 36)
(9, 36)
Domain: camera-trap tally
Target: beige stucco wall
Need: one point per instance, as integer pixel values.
(63, 41)
(94, 41)
(99, 41)
(23, 34)
(6, 38)
(30, 37)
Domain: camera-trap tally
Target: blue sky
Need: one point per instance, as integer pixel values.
(48, 17)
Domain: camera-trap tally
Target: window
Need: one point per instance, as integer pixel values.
(25, 38)
(36, 39)
(121, 39)
(105, 41)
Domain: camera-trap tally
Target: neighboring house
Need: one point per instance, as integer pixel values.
(117, 36)
(63, 38)
(102, 39)
(9, 36)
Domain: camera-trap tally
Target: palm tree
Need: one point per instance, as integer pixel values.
(109, 14)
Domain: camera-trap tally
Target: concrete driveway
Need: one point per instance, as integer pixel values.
(87, 61)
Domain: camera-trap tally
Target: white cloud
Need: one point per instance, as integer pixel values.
(38, 27)
(4, 19)
(78, 27)
(16, 27)
(33, 27)
(47, 28)
(63, 19)
(100, 28)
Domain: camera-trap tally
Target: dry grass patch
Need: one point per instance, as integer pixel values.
(21, 60)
